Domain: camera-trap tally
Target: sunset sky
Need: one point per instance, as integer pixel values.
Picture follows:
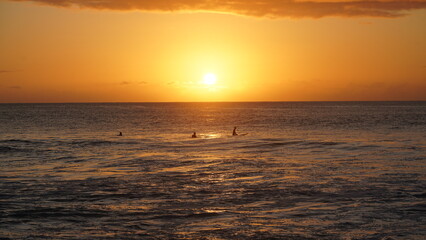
(187, 50)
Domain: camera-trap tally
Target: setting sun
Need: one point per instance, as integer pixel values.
(209, 79)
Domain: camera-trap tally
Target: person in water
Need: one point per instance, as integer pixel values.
(194, 135)
(234, 133)
(120, 134)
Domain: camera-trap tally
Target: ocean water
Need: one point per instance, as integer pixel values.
(325, 170)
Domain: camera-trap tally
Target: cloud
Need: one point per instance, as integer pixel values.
(15, 87)
(258, 8)
(124, 83)
(130, 83)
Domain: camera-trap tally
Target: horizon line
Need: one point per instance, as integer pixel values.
(330, 101)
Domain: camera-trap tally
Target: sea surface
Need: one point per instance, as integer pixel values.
(320, 170)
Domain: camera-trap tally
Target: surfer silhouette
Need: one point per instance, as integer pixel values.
(194, 135)
(120, 134)
(234, 133)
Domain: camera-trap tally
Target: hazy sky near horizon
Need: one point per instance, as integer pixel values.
(261, 50)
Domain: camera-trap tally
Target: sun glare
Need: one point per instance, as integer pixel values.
(209, 79)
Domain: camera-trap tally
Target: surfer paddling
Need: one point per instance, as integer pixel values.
(234, 133)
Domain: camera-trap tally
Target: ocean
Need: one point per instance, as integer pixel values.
(304, 170)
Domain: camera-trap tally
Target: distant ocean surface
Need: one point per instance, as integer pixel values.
(323, 170)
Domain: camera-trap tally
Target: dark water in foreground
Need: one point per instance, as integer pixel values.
(304, 171)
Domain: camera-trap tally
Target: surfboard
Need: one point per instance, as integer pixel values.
(239, 134)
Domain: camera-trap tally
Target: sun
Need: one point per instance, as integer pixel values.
(209, 79)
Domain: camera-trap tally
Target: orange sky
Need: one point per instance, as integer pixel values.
(264, 50)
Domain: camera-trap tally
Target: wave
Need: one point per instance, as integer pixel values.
(57, 212)
(20, 141)
(186, 216)
(322, 143)
(100, 142)
(19, 146)
(7, 149)
(303, 143)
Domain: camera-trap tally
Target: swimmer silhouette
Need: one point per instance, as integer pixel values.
(194, 135)
(234, 133)
(120, 134)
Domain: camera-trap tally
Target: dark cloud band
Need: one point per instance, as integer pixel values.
(260, 8)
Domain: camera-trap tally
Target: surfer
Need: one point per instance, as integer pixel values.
(194, 135)
(120, 134)
(234, 133)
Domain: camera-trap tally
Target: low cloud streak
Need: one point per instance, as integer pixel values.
(258, 8)
(6, 71)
